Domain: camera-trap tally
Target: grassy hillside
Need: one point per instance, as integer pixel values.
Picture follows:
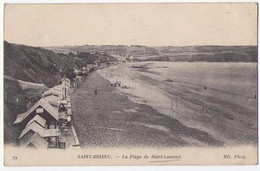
(39, 65)
(91, 58)
(18, 95)
(171, 53)
(121, 50)
(207, 53)
(28, 72)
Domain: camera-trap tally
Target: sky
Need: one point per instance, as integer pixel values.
(131, 24)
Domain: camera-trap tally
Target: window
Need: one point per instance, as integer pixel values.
(39, 110)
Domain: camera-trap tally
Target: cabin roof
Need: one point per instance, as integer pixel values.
(53, 111)
(65, 79)
(57, 90)
(38, 141)
(53, 100)
(37, 119)
(35, 127)
(51, 92)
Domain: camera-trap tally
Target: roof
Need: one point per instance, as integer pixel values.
(45, 104)
(37, 119)
(56, 104)
(51, 92)
(64, 101)
(38, 141)
(57, 90)
(58, 87)
(65, 79)
(35, 127)
(53, 100)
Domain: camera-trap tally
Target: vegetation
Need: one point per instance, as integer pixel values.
(68, 72)
(16, 100)
(39, 65)
(171, 53)
(34, 65)
(92, 58)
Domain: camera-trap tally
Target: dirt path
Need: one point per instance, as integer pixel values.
(111, 119)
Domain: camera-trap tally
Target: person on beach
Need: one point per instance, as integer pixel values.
(95, 92)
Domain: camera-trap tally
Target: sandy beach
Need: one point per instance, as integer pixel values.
(225, 110)
(111, 119)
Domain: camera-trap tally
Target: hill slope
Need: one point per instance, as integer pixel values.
(39, 65)
(18, 97)
(171, 53)
(24, 67)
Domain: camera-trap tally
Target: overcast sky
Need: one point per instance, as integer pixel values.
(126, 24)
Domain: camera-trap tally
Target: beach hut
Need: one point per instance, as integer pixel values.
(39, 120)
(35, 141)
(65, 81)
(42, 108)
(49, 135)
(60, 91)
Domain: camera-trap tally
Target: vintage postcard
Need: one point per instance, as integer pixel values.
(130, 84)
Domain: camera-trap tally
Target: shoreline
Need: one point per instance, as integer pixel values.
(111, 119)
(207, 110)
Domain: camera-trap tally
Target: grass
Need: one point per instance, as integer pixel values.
(12, 92)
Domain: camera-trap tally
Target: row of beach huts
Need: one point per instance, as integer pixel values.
(43, 123)
(48, 123)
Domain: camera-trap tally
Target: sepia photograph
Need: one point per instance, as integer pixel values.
(130, 84)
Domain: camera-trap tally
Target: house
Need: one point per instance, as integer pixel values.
(52, 92)
(49, 135)
(65, 92)
(37, 119)
(42, 108)
(61, 91)
(69, 110)
(53, 100)
(41, 122)
(35, 142)
(65, 81)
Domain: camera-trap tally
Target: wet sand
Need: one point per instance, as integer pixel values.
(227, 117)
